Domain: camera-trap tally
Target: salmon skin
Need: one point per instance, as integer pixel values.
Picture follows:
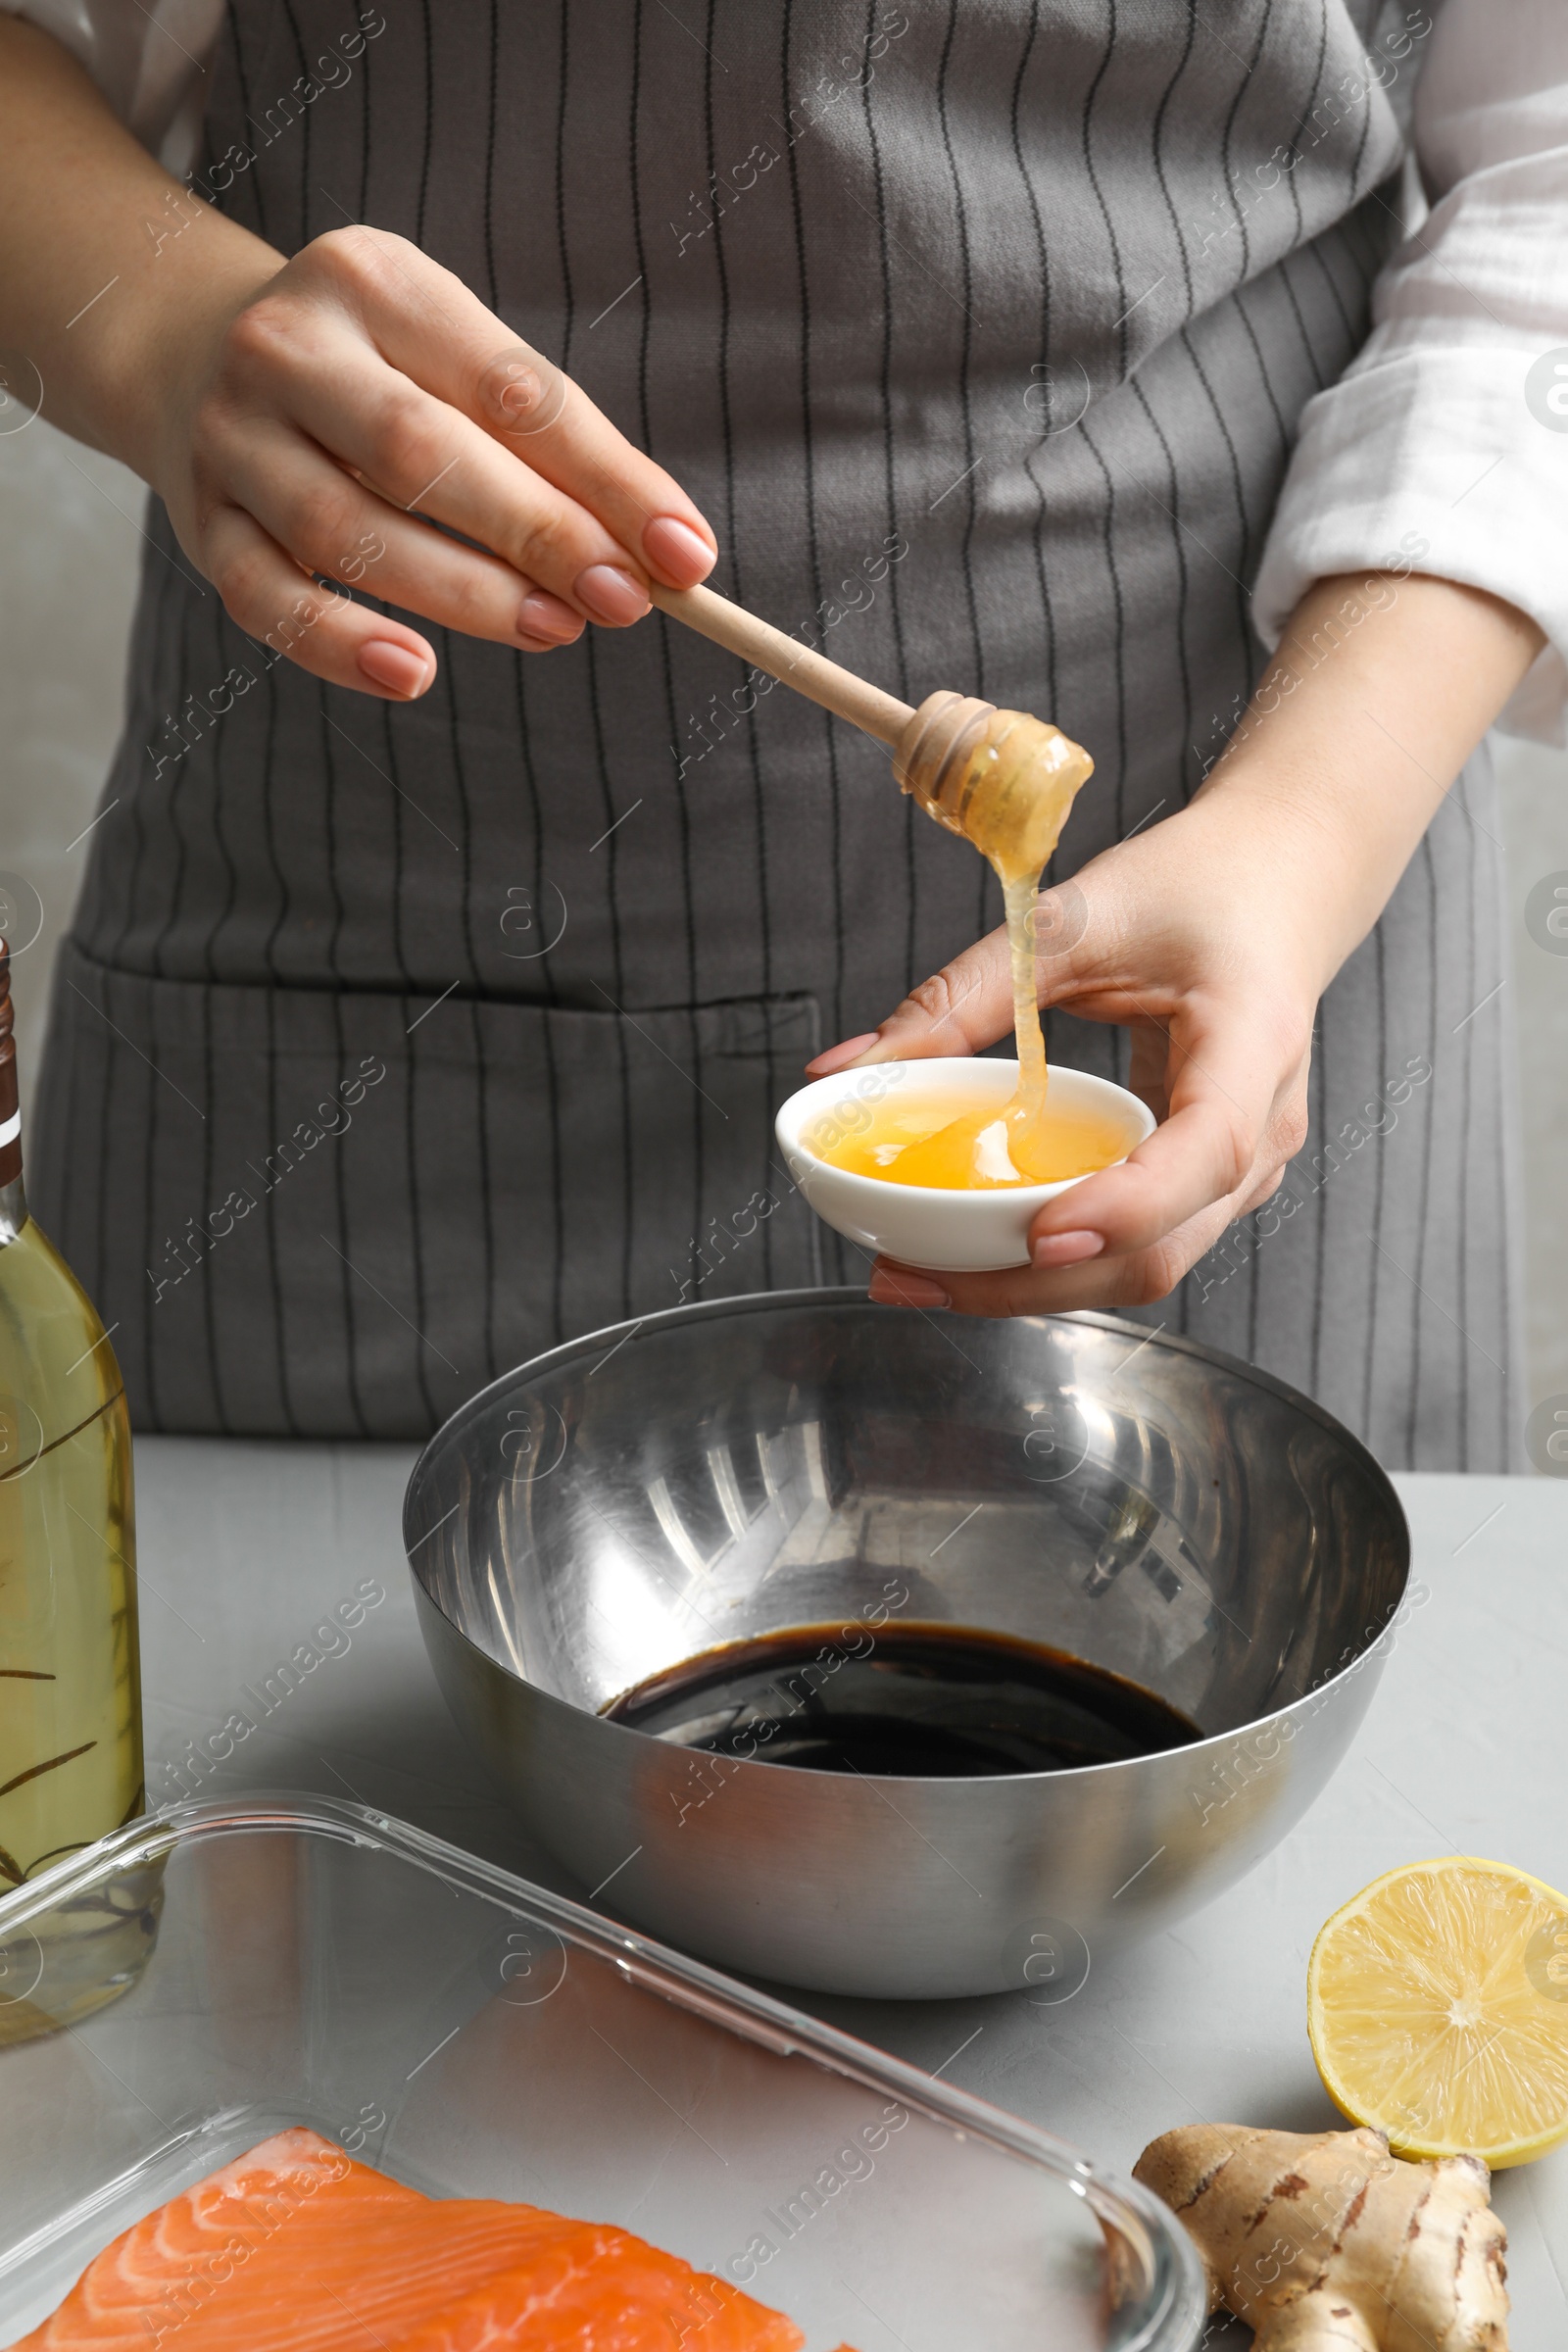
(296, 2249)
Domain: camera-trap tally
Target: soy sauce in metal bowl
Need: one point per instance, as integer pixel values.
(926, 1701)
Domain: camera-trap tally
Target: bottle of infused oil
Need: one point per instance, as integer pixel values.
(70, 1754)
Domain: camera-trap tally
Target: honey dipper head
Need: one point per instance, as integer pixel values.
(1002, 779)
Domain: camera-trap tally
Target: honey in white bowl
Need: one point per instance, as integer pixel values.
(938, 1138)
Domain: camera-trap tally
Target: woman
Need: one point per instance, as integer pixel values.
(426, 1004)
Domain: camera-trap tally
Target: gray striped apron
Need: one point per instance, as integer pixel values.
(392, 1044)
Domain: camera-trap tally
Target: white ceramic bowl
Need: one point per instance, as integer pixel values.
(946, 1232)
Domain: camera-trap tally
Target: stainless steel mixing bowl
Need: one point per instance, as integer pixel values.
(723, 1471)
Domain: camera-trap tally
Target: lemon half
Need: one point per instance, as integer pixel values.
(1436, 2002)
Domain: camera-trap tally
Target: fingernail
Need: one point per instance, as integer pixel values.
(611, 595)
(543, 615)
(905, 1289)
(395, 668)
(836, 1057)
(674, 547)
(1066, 1249)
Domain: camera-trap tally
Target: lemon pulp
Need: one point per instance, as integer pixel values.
(1438, 2010)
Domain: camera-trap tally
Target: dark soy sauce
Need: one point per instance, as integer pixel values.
(932, 1701)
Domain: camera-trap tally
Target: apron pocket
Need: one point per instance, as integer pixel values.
(338, 1214)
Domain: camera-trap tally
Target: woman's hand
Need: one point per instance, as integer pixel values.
(1198, 962)
(1211, 937)
(299, 418)
(308, 430)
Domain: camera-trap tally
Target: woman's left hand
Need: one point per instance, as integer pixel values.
(1211, 937)
(1218, 1000)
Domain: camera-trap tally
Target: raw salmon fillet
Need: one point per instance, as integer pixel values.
(297, 2248)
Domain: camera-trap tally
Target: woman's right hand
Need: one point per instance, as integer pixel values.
(299, 418)
(304, 427)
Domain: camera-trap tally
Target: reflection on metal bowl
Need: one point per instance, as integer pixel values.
(720, 1472)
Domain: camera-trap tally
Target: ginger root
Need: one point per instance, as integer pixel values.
(1324, 2242)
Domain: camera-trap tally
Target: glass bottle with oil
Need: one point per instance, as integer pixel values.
(71, 1751)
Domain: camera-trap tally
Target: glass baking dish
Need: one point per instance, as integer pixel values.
(475, 2035)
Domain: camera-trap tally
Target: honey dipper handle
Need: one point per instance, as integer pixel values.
(787, 659)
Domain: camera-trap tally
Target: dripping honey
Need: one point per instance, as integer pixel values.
(1011, 801)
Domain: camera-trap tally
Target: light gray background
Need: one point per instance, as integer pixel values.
(70, 541)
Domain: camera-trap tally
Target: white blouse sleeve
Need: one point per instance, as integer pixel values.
(151, 61)
(1450, 427)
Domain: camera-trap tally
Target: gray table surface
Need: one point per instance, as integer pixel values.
(245, 1546)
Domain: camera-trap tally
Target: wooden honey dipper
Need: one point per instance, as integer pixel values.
(1000, 779)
